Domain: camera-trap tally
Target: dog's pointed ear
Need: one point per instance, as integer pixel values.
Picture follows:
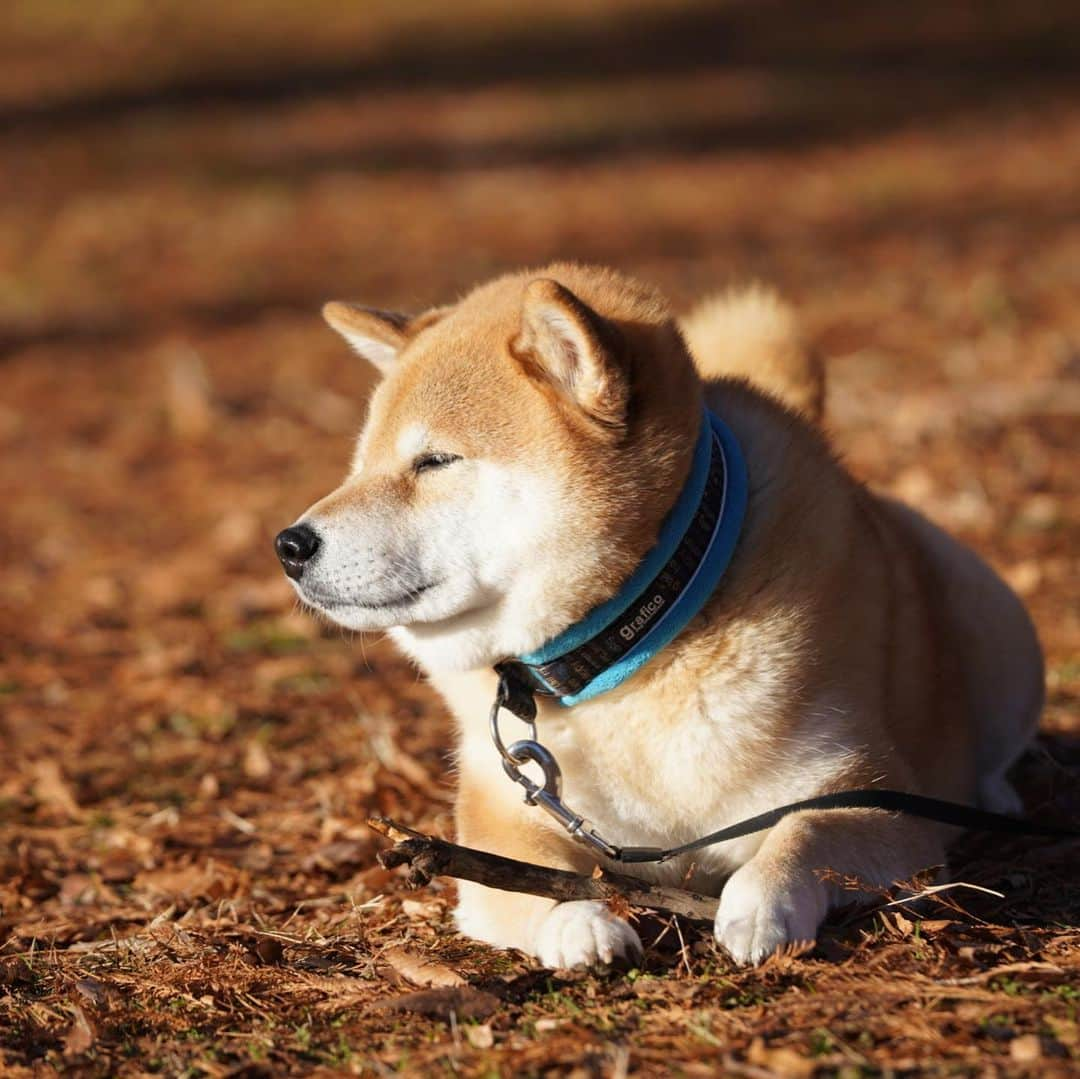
(566, 342)
(378, 336)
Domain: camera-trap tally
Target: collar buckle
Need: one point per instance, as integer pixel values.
(517, 689)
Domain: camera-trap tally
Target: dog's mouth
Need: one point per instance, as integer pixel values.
(395, 602)
(403, 599)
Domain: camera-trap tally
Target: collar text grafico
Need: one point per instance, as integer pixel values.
(673, 581)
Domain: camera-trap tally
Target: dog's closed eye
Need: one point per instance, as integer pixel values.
(426, 462)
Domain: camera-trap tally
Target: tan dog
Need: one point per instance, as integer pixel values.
(517, 463)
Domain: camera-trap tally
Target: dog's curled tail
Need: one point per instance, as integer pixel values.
(751, 333)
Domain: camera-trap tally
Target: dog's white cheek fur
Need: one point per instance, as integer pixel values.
(500, 552)
(480, 547)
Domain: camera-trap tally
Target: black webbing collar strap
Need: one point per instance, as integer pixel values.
(570, 672)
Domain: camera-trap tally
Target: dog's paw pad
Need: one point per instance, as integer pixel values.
(754, 920)
(584, 934)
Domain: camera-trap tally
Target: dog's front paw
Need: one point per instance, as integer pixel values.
(584, 934)
(760, 912)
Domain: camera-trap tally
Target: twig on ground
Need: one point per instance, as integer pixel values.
(429, 857)
(937, 889)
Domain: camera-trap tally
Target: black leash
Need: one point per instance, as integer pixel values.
(517, 697)
(912, 805)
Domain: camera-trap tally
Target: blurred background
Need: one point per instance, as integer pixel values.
(183, 184)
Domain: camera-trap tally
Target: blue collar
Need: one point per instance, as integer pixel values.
(669, 587)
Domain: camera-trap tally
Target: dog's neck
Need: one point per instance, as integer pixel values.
(669, 586)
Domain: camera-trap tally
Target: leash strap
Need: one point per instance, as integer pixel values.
(912, 805)
(517, 697)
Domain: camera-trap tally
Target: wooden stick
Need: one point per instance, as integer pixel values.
(429, 857)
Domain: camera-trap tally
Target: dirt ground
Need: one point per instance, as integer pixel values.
(187, 885)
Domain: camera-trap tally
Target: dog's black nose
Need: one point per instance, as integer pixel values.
(296, 547)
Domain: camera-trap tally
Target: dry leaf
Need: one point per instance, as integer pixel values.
(236, 532)
(1024, 577)
(408, 767)
(15, 972)
(96, 992)
(781, 1061)
(462, 1002)
(82, 1034)
(421, 908)
(51, 788)
(934, 925)
(341, 854)
(269, 951)
(187, 391)
(480, 1036)
(1026, 1049)
(256, 760)
(118, 867)
(421, 971)
(905, 925)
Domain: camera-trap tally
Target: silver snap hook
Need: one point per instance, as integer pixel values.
(527, 750)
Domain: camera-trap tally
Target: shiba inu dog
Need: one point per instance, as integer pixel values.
(553, 436)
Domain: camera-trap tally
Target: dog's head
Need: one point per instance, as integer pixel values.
(517, 461)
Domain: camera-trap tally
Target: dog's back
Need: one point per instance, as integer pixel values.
(753, 335)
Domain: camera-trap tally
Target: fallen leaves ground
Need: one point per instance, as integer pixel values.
(186, 884)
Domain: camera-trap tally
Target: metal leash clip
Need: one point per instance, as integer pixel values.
(518, 699)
